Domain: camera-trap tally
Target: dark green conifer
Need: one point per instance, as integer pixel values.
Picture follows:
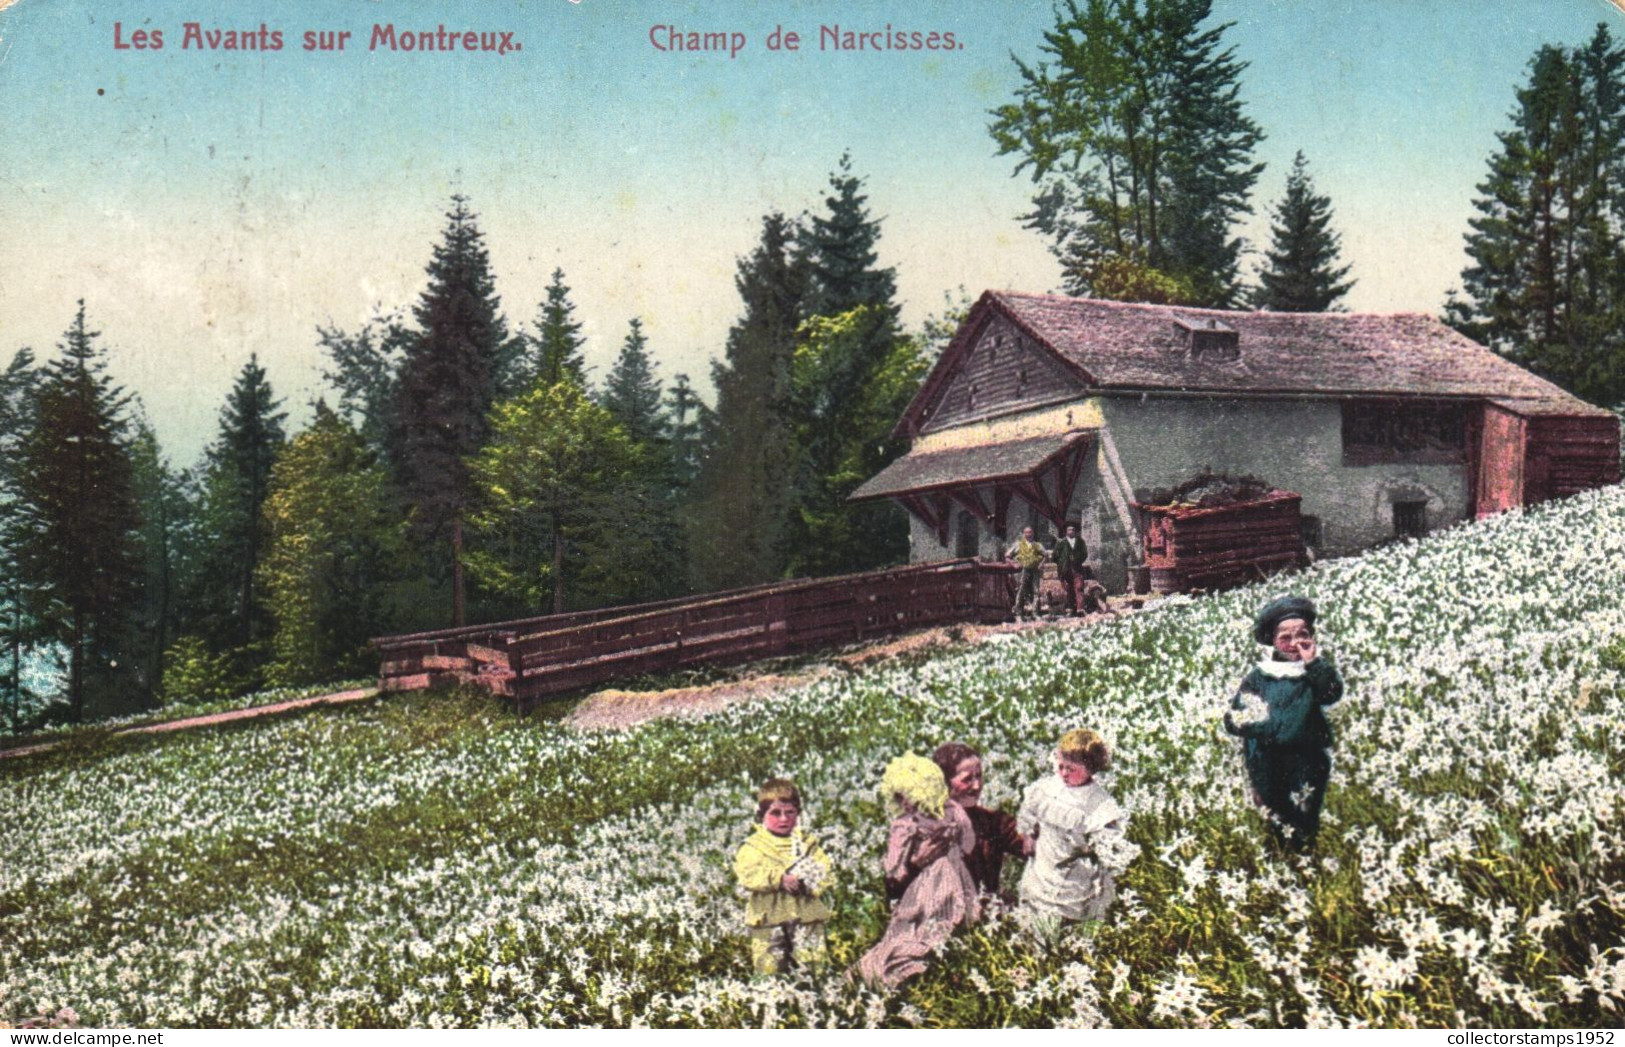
(18, 393)
(847, 348)
(236, 478)
(444, 392)
(632, 393)
(79, 554)
(1546, 286)
(1302, 274)
(690, 423)
(168, 540)
(558, 342)
(738, 526)
(837, 249)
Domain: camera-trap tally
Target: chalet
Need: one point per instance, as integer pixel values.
(1045, 410)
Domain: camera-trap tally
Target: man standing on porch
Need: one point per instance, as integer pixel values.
(1030, 555)
(1070, 553)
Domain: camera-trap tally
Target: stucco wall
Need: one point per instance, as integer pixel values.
(923, 544)
(1296, 445)
(922, 541)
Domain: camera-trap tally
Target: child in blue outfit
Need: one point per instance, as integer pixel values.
(1277, 711)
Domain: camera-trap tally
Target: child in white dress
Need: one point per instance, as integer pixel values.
(1082, 843)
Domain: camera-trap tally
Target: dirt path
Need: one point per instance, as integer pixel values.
(612, 709)
(252, 713)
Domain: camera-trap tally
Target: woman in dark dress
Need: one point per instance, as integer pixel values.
(996, 835)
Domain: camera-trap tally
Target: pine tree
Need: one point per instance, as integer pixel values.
(558, 341)
(634, 399)
(446, 385)
(332, 534)
(1546, 286)
(166, 533)
(19, 385)
(1135, 135)
(843, 354)
(837, 251)
(1302, 275)
(689, 423)
(738, 525)
(632, 394)
(236, 480)
(79, 555)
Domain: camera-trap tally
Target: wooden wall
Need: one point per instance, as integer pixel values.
(1004, 371)
(540, 657)
(1527, 459)
(1500, 462)
(1567, 455)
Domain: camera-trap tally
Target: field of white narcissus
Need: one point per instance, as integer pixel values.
(432, 861)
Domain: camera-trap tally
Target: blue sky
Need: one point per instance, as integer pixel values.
(212, 204)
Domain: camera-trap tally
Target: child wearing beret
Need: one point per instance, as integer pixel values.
(1277, 713)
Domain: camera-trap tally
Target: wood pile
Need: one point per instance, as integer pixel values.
(1568, 455)
(1221, 540)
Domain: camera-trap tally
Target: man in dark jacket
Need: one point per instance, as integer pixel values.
(1069, 555)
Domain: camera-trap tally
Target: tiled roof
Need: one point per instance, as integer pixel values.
(966, 466)
(1137, 347)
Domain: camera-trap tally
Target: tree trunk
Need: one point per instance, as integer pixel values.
(160, 640)
(16, 659)
(558, 567)
(76, 669)
(458, 610)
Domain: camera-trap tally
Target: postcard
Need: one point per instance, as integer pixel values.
(829, 513)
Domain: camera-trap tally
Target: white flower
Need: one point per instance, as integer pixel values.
(1248, 708)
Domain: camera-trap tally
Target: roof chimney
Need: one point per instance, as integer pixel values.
(1208, 339)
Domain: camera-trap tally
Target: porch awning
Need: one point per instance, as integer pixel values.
(1001, 462)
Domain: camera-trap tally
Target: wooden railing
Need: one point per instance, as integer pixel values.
(535, 657)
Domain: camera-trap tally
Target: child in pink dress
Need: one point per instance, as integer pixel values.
(941, 896)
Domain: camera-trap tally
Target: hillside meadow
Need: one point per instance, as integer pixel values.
(430, 860)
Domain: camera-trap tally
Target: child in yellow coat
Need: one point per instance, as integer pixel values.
(784, 870)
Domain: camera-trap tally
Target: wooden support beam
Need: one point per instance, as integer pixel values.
(1001, 505)
(932, 509)
(1050, 491)
(1032, 491)
(1071, 470)
(971, 499)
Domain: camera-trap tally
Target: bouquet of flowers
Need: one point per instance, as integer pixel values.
(804, 867)
(1248, 707)
(1114, 851)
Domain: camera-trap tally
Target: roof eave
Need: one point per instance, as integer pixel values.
(1066, 445)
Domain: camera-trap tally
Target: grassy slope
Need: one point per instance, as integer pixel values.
(429, 860)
